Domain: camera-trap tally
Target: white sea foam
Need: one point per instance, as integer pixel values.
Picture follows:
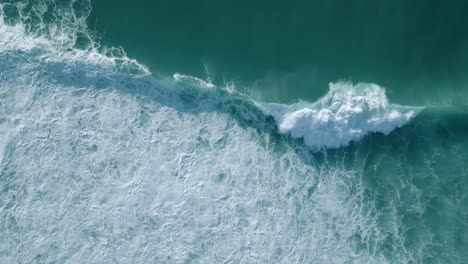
(99, 166)
(92, 172)
(58, 45)
(193, 80)
(346, 113)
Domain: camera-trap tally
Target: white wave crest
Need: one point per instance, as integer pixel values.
(346, 113)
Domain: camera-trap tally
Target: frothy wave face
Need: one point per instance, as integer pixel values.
(346, 113)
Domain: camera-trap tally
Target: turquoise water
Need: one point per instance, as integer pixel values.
(290, 51)
(232, 132)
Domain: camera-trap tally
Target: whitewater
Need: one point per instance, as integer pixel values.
(102, 162)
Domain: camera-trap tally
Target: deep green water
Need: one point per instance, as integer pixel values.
(290, 51)
(248, 154)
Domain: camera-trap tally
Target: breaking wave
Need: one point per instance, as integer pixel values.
(101, 162)
(346, 113)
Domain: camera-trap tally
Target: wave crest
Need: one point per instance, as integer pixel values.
(346, 113)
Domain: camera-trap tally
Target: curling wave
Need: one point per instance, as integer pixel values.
(346, 113)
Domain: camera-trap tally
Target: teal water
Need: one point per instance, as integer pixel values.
(233, 132)
(292, 51)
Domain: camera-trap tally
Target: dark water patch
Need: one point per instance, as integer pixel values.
(413, 48)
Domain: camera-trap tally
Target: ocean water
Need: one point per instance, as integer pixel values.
(233, 132)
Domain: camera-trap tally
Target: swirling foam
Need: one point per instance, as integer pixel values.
(101, 166)
(346, 113)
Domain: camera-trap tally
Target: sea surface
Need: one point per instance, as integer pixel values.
(233, 131)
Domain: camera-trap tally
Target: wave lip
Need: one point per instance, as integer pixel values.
(346, 113)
